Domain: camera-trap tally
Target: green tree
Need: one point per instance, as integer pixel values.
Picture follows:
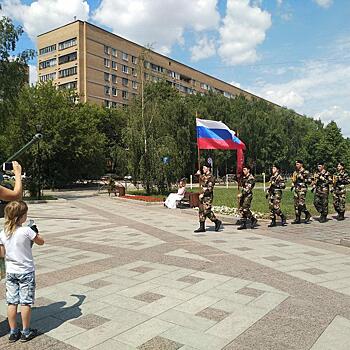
(72, 147)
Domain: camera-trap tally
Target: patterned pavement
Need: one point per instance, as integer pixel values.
(115, 274)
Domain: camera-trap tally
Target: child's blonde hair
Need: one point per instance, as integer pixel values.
(14, 211)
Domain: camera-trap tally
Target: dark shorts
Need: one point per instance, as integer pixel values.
(20, 288)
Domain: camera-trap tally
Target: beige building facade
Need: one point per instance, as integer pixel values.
(107, 69)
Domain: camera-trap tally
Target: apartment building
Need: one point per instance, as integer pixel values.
(107, 69)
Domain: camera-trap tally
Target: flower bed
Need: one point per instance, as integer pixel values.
(143, 198)
(233, 211)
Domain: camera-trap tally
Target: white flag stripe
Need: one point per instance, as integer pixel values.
(213, 124)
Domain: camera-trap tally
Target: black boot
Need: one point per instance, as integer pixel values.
(243, 225)
(217, 225)
(307, 217)
(283, 220)
(253, 222)
(201, 227)
(272, 223)
(341, 216)
(297, 220)
(323, 218)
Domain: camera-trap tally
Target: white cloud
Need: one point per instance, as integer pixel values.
(324, 3)
(33, 74)
(43, 15)
(316, 87)
(244, 28)
(204, 48)
(160, 23)
(337, 114)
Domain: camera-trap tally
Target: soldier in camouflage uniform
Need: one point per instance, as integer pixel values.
(340, 180)
(207, 182)
(321, 181)
(245, 199)
(274, 195)
(300, 179)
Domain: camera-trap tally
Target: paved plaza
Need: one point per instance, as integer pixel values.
(120, 275)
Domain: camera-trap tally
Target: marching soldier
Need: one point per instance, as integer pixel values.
(300, 180)
(274, 195)
(340, 180)
(207, 182)
(245, 199)
(321, 181)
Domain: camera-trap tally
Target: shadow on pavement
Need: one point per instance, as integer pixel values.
(49, 317)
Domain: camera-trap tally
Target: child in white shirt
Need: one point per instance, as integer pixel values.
(16, 244)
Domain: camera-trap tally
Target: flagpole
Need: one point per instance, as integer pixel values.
(198, 150)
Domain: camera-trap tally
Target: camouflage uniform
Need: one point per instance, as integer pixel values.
(340, 180)
(207, 183)
(321, 181)
(246, 196)
(274, 194)
(300, 179)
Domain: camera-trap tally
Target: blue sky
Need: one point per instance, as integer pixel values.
(293, 52)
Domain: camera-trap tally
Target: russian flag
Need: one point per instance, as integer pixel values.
(212, 134)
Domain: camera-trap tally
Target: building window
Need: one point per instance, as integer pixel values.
(134, 84)
(134, 72)
(49, 63)
(205, 86)
(114, 104)
(125, 56)
(47, 49)
(125, 69)
(157, 68)
(106, 62)
(107, 103)
(114, 52)
(134, 59)
(174, 75)
(114, 79)
(125, 95)
(47, 77)
(114, 65)
(67, 43)
(125, 82)
(67, 58)
(114, 91)
(72, 85)
(107, 90)
(67, 72)
(107, 49)
(106, 75)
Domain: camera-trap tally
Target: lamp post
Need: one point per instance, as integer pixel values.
(38, 130)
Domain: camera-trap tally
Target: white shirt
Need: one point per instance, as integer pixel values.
(19, 257)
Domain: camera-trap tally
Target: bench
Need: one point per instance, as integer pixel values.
(190, 199)
(118, 190)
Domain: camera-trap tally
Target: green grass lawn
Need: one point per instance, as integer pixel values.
(228, 197)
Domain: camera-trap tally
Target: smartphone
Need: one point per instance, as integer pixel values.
(7, 166)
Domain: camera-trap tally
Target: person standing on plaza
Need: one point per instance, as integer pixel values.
(274, 195)
(300, 180)
(321, 181)
(340, 179)
(207, 183)
(16, 244)
(245, 199)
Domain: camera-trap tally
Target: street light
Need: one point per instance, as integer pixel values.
(38, 130)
